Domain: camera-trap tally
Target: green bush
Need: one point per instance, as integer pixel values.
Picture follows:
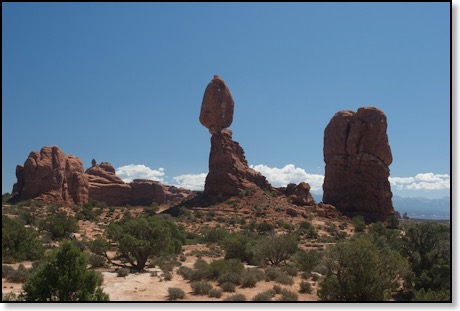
(228, 287)
(64, 277)
(307, 260)
(200, 287)
(229, 277)
(141, 238)
(175, 293)
(167, 275)
(96, 261)
(19, 243)
(122, 272)
(19, 275)
(284, 279)
(264, 228)
(249, 280)
(58, 226)
(275, 249)
(290, 270)
(305, 287)
(264, 296)
(287, 295)
(272, 273)
(215, 293)
(237, 297)
(359, 223)
(277, 289)
(215, 235)
(7, 270)
(185, 272)
(222, 266)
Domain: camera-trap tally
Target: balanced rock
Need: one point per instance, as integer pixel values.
(217, 106)
(357, 156)
(50, 175)
(229, 173)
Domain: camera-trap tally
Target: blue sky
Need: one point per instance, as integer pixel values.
(123, 83)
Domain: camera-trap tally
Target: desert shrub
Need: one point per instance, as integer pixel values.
(167, 275)
(19, 243)
(182, 258)
(200, 287)
(358, 222)
(228, 287)
(58, 226)
(19, 275)
(230, 277)
(222, 266)
(64, 277)
(290, 270)
(305, 287)
(272, 273)
(264, 296)
(287, 295)
(215, 235)
(359, 270)
(284, 279)
(320, 268)
(307, 260)
(264, 228)
(96, 261)
(259, 274)
(185, 272)
(141, 238)
(6, 271)
(305, 225)
(237, 297)
(275, 249)
(315, 277)
(277, 289)
(175, 293)
(10, 297)
(215, 293)
(238, 246)
(292, 212)
(249, 280)
(122, 272)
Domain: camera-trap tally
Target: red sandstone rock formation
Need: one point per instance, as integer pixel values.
(51, 175)
(299, 194)
(229, 173)
(357, 156)
(217, 106)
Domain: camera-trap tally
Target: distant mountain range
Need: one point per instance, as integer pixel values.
(423, 208)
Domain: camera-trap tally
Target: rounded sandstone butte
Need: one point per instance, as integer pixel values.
(217, 106)
(51, 175)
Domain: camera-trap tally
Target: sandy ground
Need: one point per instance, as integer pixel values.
(145, 287)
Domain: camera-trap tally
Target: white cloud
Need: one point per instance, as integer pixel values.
(422, 181)
(139, 171)
(191, 181)
(280, 177)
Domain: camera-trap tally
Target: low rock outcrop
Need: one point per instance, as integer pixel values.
(229, 172)
(298, 194)
(357, 156)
